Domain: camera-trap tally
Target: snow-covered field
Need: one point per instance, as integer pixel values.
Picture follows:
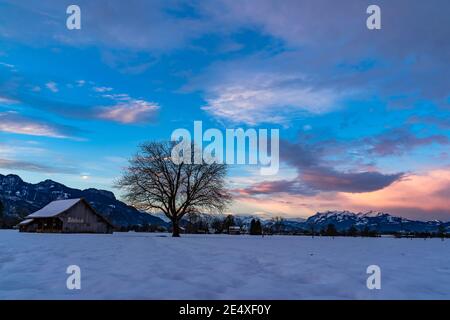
(155, 266)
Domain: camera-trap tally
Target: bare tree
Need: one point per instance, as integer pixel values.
(278, 224)
(153, 182)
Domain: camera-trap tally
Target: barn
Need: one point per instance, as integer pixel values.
(66, 216)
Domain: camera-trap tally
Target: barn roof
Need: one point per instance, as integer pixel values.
(27, 221)
(54, 208)
(57, 207)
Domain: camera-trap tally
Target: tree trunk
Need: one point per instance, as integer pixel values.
(175, 228)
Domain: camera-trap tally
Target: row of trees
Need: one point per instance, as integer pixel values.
(2, 213)
(203, 223)
(331, 230)
(6, 222)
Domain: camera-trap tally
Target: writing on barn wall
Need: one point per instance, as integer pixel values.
(75, 220)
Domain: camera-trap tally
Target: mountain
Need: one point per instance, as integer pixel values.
(343, 220)
(21, 199)
(379, 221)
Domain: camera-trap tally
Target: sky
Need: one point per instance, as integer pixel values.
(364, 115)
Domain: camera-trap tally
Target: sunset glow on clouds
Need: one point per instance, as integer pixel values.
(130, 112)
(416, 196)
(14, 123)
(416, 193)
(364, 116)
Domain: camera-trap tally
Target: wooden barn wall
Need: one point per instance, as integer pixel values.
(85, 220)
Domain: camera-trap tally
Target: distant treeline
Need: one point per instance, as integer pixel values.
(208, 224)
(7, 222)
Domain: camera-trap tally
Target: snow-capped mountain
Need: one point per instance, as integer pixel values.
(343, 220)
(21, 199)
(379, 221)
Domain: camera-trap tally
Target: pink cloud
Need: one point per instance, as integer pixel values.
(52, 86)
(12, 122)
(421, 191)
(132, 111)
(423, 196)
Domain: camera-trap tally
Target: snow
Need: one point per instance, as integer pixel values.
(54, 208)
(160, 215)
(372, 214)
(27, 221)
(156, 266)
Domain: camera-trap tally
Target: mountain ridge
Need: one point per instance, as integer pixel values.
(22, 198)
(343, 220)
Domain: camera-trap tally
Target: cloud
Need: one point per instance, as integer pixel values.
(7, 65)
(399, 141)
(102, 89)
(128, 62)
(316, 174)
(12, 122)
(443, 123)
(328, 179)
(417, 195)
(322, 179)
(274, 88)
(274, 187)
(52, 86)
(123, 109)
(8, 101)
(131, 111)
(34, 167)
(267, 98)
(336, 58)
(294, 69)
(25, 149)
(285, 204)
(167, 24)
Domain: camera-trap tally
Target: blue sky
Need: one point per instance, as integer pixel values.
(364, 116)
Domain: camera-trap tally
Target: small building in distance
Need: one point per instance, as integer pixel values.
(66, 216)
(234, 230)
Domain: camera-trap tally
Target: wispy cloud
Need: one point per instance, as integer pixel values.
(52, 86)
(7, 65)
(13, 122)
(6, 100)
(267, 100)
(102, 89)
(132, 111)
(34, 167)
(25, 149)
(120, 28)
(400, 141)
(120, 107)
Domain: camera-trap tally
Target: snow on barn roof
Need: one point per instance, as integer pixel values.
(54, 208)
(27, 221)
